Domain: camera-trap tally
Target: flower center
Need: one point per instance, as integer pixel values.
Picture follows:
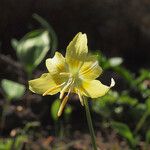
(71, 76)
(69, 84)
(73, 81)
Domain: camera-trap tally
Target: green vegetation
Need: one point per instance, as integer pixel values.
(124, 111)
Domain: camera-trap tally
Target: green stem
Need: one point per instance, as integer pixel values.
(3, 116)
(13, 143)
(89, 120)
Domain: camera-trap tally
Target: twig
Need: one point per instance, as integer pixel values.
(16, 67)
(10, 61)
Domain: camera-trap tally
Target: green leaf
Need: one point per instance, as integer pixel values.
(126, 74)
(118, 110)
(67, 112)
(142, 82)
(54, 109)
(124, 131)
(115, 61)
(32, 124)
(13, 90)
(19, 141)
(5, 144)
(124, 98)
(144, 74)
(14, 43)
(148, 137)
(32, 48)
(147, 140)
(148, 105)
(103, 104)
(52, 34)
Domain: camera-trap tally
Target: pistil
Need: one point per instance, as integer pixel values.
(80, 98)
(66, 87)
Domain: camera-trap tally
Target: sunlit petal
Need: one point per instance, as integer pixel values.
(95, 88)
(42, 84)
(56, 64)
(76, 51)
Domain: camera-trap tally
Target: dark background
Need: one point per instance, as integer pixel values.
(116, 27)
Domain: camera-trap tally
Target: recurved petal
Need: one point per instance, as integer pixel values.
(95, 88)
(77, 50)
(90, 69)
(42, 84)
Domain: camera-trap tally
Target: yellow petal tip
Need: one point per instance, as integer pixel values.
(112, 82)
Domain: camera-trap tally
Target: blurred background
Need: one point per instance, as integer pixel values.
(118, 33)
(113, 26)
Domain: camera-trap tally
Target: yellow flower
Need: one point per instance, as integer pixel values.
(76, 73)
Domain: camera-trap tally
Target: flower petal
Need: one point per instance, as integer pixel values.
(42, 84)
(56, 65)
(77, 50)
(90, 69)
(95, 88)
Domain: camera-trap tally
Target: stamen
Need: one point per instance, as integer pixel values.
(53, 88)
(65, 74)
(80, 98)
(62, 106)
(63, 103)
(70, 81)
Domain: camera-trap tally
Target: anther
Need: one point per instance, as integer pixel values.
(62, 106)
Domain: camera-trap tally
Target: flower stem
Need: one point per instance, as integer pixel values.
(3, 116)
(141, 121)
(89, 120)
